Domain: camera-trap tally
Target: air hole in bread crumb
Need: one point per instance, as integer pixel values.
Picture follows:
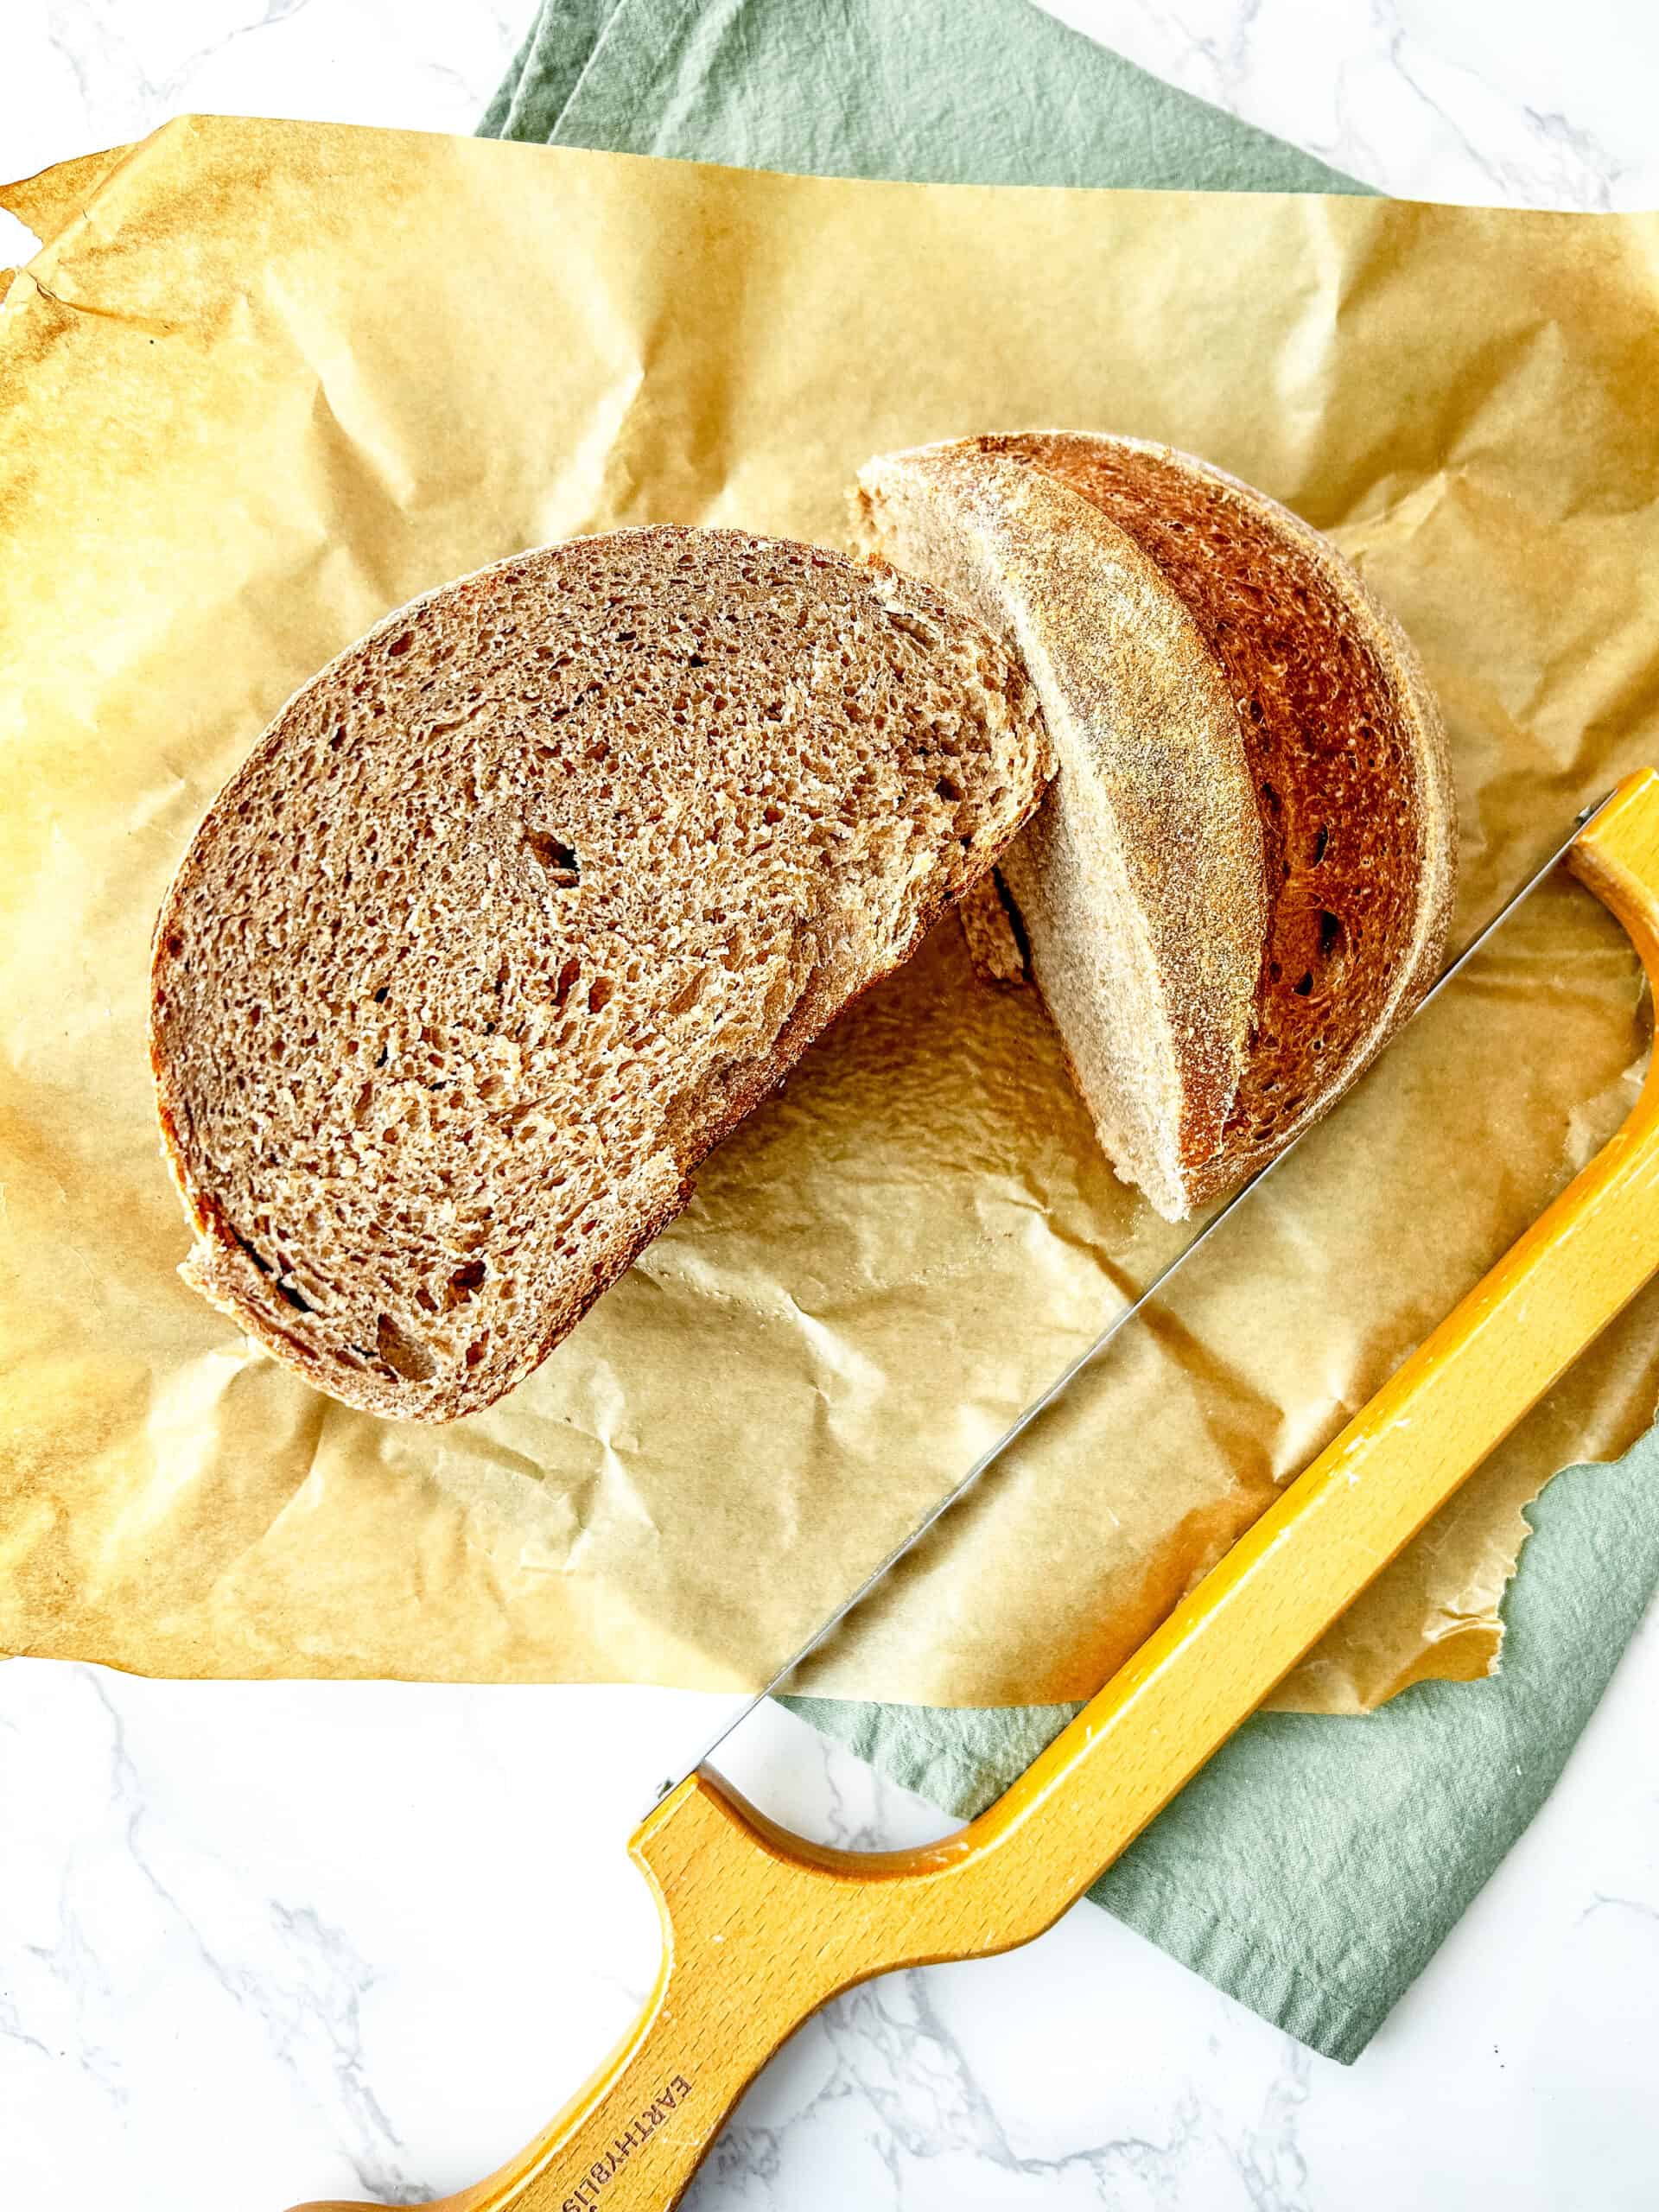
(1320, 843)
(1330, 933)
(466, 1279)
(558, 859)
(599, 993)
(1302, 988)
(173, 943)
(948, 791)
(300, 1305)
(401, 644)
(401, 1353)
(1272, 797)
(264, 1266)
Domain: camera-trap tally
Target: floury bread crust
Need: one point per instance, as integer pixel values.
(1241, 881)
(523, 902)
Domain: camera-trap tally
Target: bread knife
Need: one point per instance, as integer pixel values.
(760, 1927)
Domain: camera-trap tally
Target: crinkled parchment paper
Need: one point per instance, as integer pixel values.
(265, 381)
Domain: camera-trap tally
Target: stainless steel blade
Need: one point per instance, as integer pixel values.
(1010, 1435)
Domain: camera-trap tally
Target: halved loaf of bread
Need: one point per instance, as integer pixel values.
(523, 902)
(1241, 879)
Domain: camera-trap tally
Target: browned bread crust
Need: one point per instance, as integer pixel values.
(1324, 910)
(523, 902)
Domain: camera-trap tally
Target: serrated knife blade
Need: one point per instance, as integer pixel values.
(1092, 1352)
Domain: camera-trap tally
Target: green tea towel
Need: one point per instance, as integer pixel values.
(939, 91)
(1314, 1867)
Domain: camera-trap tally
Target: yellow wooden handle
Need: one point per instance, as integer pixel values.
(759, 1927)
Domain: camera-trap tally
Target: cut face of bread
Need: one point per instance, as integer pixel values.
(520, 905)
(1241, 881)
(989, 926)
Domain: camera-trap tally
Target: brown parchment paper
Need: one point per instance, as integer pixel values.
(264, 382)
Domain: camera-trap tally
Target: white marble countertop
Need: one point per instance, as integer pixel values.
(259, 1943)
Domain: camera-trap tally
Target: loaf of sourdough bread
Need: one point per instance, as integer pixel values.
(1241, 881)
(523, 902)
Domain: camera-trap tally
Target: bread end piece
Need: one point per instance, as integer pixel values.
(1314, 709)
(1141, 883)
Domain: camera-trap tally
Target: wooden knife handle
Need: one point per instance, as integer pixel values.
(760, 1927)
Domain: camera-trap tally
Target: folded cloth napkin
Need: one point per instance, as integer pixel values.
(1314, 1867)
(939, 91)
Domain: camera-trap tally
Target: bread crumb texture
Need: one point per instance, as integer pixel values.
(991, 927)
(520, 905)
